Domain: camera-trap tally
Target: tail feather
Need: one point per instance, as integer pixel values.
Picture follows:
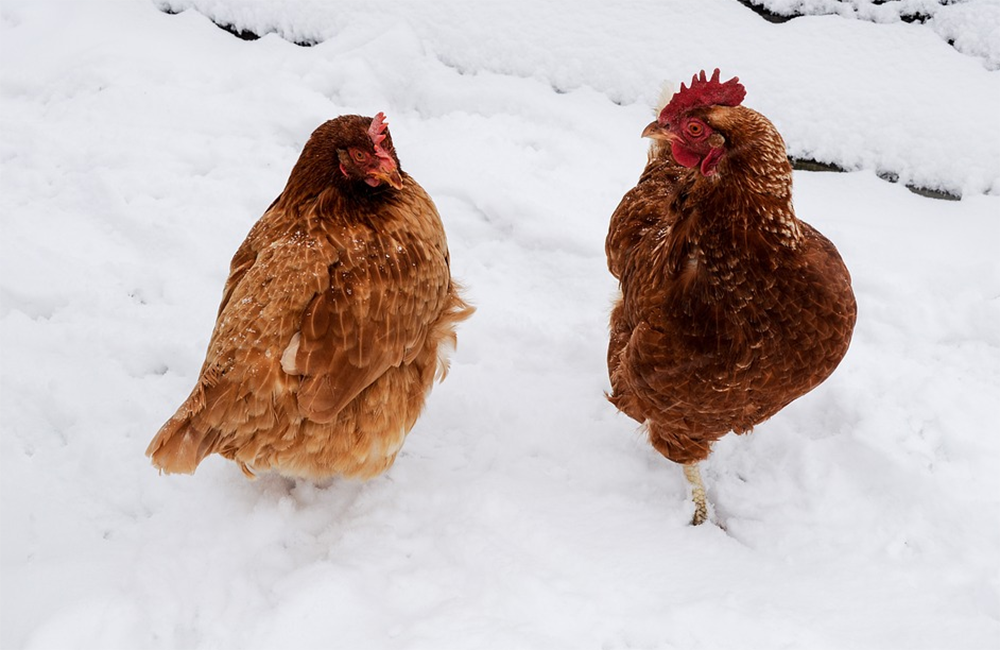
(444, 330)
(178, 447)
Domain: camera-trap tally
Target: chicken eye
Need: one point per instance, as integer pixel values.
(695, 129)
(359, 156)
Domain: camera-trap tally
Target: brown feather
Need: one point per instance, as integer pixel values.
(328, 335)
(730, 306)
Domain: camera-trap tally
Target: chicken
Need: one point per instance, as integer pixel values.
(337, 316)
(730, 306)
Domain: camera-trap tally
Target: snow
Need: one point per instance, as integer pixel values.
(139, 147)
(971, 26)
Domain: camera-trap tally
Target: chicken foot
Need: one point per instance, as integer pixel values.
(693, 475)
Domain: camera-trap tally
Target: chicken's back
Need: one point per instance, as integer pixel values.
(329, 338)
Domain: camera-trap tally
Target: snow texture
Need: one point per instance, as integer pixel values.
(137, 149)
(853, 93)
(971, 26)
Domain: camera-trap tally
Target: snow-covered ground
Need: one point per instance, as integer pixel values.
(138, 147)
(971, 26)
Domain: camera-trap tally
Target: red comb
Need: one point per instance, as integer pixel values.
(377, 134)
(703, 92)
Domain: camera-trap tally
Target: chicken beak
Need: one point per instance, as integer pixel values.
(657, 131)
(392, 177)
(385, 170)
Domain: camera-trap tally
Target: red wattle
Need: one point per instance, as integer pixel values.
(711, 161)
(683, 155)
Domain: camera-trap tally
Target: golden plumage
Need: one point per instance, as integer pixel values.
(334, 323)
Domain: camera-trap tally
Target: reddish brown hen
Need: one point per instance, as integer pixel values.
(730, 306)
(336, 317)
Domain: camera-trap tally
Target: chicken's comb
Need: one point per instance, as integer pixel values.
(377, 134)
(703, 92)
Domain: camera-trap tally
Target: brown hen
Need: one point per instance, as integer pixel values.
(730, 306)
(336, 317)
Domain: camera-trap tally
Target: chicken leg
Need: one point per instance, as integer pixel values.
(693, 475)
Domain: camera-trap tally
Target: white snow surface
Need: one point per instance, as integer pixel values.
(894, 98)
(139, 147)
(971, 26)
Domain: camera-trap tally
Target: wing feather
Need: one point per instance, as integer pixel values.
(384, 295)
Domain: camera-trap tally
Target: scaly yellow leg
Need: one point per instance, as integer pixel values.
(693, 476)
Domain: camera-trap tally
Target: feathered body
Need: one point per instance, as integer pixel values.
(730, 307)
(334, 321)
